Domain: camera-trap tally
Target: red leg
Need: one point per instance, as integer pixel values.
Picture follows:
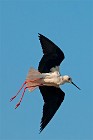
(21, 98)
(23, 94)
(27, 81)
(18, 92)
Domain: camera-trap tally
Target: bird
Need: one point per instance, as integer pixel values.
(48, 79)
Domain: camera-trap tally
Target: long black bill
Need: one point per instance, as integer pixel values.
(75, 85)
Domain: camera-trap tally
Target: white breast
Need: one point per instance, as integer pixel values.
(52, 78)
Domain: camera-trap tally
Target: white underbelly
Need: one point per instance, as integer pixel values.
(51, 79)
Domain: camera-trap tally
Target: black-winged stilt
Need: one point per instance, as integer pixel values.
(48, 79)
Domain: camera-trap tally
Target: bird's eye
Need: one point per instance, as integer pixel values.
(69, 78)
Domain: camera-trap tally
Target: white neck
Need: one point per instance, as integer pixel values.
(63, 79)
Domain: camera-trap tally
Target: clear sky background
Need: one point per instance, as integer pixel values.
(70, 25)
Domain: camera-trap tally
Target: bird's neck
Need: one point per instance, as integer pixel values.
(62, 80)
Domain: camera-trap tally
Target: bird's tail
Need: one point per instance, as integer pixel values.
(34, 79)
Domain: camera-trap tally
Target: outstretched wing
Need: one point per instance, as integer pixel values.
(53, 97)
(52, 57)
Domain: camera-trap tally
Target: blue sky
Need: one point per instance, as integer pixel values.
(70, 25)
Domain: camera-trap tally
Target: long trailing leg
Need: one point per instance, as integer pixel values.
(23, 94)
(31, 87)
(18, 91)
(27, 81)
(33, 80)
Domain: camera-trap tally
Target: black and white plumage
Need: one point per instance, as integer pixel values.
(48, 79)
(53, 97)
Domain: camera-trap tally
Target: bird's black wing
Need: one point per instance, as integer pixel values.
(52, 57)
(53, 97)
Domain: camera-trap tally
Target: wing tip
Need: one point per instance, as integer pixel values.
(39, 34)
(41, 128)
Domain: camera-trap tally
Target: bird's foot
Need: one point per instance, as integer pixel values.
(31, 87)
(12, 98)
(17, 105)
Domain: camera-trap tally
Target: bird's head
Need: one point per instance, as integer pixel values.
(68, 79)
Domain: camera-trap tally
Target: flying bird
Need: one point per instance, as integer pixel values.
(48, 79)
